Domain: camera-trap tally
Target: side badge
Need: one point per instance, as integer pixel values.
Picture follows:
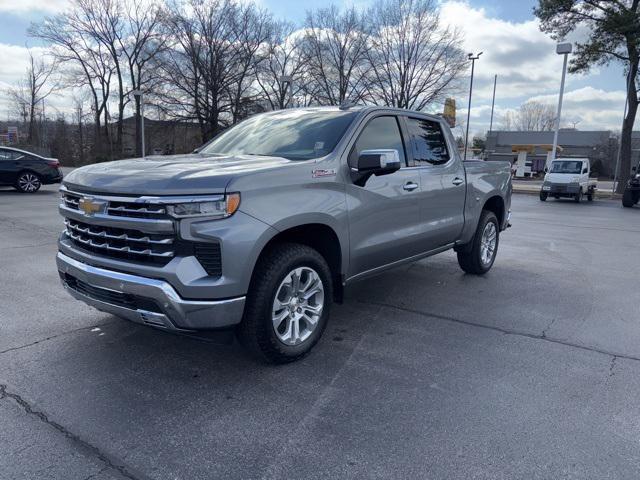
(323, 172)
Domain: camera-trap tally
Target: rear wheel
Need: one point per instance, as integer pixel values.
(478, 257)
(628, 199)
(288, 303)
(28, 182)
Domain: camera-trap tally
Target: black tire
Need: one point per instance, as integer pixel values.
(578, 196)
(470, 257)
(256, 331)
(543, 196)
(28, 182)
(628, 199)
(590, 197)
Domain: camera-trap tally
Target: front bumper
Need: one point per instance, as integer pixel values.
(560, 188)
(145, 300)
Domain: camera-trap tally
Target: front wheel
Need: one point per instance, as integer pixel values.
(478, 257)
(288, 303)
(578, 197)
(28, 182)
(543, 196)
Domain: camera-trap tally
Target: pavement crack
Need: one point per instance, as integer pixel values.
(612, 365)
(505, 331)
(52, 337)
(546, 329)
(108, 461)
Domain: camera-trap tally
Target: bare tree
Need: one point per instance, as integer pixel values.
(31, 91)
(253, 28)
(88, 65)
(335, 49)
(414, 60)
(284, 61)
(200, 65)
(535, 116)
(141, 41)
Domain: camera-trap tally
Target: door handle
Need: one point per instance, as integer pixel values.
(410, 186)
(457, 181)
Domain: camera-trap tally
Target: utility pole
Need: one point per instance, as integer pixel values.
(473, 59)
(626, 106)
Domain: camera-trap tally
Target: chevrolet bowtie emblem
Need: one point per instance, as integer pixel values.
(91, 206)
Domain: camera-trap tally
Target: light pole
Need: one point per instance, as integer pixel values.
(493, 102)
(473, 59)
(561, 49)
(138, 93)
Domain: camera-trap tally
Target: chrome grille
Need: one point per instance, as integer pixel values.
(136, 210)
(70, 200)
(121, 243)
(120, 207)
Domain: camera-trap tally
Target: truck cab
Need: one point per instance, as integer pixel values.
(569, 178)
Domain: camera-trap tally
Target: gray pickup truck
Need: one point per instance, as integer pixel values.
(263, 227)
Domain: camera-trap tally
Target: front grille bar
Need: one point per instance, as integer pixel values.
(125, 249)
(124, 236)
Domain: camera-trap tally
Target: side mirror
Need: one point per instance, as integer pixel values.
(634, 169)
(377, 162)
(546, 169)
(585, 170)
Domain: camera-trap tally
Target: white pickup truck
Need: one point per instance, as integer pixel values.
(569, 177)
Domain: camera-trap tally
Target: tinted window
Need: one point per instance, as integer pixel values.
(10, 155)
(429, 145)
(292, 134)
(381, 132)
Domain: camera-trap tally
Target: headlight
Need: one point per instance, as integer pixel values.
(575, 180)
(223, 208)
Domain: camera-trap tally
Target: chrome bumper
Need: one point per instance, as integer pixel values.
(103, 289)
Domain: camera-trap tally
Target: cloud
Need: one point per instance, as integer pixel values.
(528, 68)
(33, 6)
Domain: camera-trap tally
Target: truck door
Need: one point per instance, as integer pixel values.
(443, 182)
(384, 213)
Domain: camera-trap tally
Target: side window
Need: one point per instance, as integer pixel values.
(428, 143)
(5, 155)
(381, 132)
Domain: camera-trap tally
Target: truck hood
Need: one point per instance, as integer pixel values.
(190, 174)
(562, 177)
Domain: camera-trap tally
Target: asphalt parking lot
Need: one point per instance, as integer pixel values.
(532, 371)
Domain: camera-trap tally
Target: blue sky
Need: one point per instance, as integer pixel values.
(506, 30)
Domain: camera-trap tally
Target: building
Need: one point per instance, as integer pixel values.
(532, 149)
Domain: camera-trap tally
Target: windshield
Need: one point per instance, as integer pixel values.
(566, 167)
(292, 134)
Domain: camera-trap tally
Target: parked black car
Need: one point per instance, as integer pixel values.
(26, 171)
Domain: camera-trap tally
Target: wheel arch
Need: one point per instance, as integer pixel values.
(319, 236)
(495, 204)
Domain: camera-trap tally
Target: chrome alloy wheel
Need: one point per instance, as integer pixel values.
(28, 182)
(488, 243)
(298, 305)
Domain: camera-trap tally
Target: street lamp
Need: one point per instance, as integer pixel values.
(561, 49)
(138, 93)
(473, 59)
